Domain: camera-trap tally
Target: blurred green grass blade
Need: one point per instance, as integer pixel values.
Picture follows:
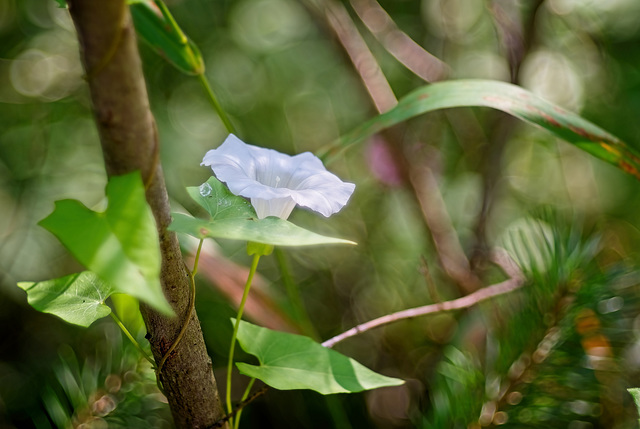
(120, 245)
(509, 98)
(77, 298)
(155, 25)
(55, 409)
(289, 362)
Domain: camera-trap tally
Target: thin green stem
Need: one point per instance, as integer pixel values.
(196, 260)
(192, 304)
(244, 398)
(172, 22)
(216, 104)
(302, 317)
(300, 312)
(133, 340)
(245, 294)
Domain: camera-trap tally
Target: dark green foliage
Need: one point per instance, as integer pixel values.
(557, 349)
(289, 86)
(114, 387)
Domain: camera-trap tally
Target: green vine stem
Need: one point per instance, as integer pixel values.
(300, 313)
(216, 104)
(133, 340)
(172, 22)
(302, 317)
(192, 304)
(245, 294)
(244, 398)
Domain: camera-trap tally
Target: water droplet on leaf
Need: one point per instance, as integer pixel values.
(205, 189)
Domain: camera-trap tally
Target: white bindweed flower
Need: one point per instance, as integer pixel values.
(276, 182)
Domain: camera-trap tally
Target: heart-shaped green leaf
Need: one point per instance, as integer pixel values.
(232, 217)
(219, 202)
(78, 298)
(509, 98)
(289, 361)
(120, 245)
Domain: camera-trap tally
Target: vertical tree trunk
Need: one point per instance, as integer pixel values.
(129, 142)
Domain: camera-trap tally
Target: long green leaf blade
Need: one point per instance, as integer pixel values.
(289, 362)
(161, 33)
(511, 99)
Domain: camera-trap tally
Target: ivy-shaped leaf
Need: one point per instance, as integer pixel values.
(120, 245)
(77, 298)
(289, 361)
(232, 217)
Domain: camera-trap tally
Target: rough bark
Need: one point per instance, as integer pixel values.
(129, 142)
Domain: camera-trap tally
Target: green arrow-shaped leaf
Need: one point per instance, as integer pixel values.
(289, 362)
(219, 202)
(232, 217)
(78, 298)
(119, 245)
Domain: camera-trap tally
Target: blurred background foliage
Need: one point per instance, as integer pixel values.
(557, 353)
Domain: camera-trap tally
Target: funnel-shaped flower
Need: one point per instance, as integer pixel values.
(276, 182)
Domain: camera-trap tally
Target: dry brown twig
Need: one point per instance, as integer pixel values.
(363, 60)
(423, 182)
(498, 256)
(450, 252)
(411, 55)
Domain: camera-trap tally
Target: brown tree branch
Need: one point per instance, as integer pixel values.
(449, 251)
(434, 212)
(129, 142)
(515, 26)
(363, 60)
(413, 56)
(499, 257)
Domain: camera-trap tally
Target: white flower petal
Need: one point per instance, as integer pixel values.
(276, 182)
(280, 207)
